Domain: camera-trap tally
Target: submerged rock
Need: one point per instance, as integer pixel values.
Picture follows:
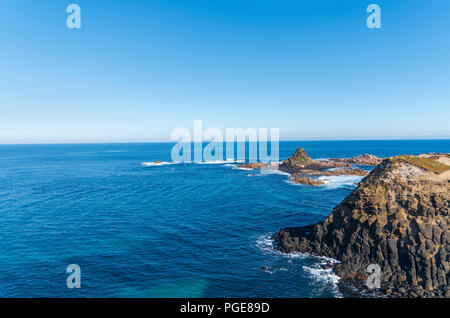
(398, 217)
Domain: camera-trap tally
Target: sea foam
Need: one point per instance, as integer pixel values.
(317, 270)
(340, 181)
(153, 164)
(217, 162)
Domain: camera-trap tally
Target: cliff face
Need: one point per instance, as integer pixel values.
(398, 217)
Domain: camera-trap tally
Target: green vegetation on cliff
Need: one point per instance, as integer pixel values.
(300, 158)
(422, 162)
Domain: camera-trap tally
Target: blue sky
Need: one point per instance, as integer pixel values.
(138, 69)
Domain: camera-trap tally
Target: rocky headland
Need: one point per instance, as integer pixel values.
(398, 217)
(304, 169)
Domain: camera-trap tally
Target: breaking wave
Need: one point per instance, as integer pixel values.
(340, 181)
(320, 270)
(157, 163)
(218, 162)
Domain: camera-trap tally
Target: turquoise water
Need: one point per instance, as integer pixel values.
(181, 230)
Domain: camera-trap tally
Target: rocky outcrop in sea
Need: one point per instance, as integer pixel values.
(398, 217)
(300, 161)
(306, 180)
(304, 169)
(254, 165)
(363, 160)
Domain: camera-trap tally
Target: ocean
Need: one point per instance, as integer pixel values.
(174, 230)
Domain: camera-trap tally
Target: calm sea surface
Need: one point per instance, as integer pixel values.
(177, 230)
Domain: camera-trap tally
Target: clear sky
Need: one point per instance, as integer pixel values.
(138, 69)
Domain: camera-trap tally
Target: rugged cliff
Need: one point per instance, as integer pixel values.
(398, 217)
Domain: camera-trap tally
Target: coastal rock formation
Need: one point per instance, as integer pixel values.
(303, 168)
(254, 165)
(306, 180)
(399, 218)
(337, 172)
(366, 160)
(325, 164)
(299, 160)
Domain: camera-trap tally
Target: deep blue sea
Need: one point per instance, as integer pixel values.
(177, 230)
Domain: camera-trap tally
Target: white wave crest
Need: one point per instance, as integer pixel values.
(274, 171)
(321, 269)
(157, 163)
(217, 162)
(242, 168)
(265, 243)
(339, 181)
(322, 274)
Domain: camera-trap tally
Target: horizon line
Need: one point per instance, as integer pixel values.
(173, 141)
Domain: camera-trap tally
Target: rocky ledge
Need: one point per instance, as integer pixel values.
(306, 180)
(254, 165)
(363, 160)
(398, 217)
(337, 172)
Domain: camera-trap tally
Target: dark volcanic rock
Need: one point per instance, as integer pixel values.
(398, 217)
(307, 181)
(255, 165)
